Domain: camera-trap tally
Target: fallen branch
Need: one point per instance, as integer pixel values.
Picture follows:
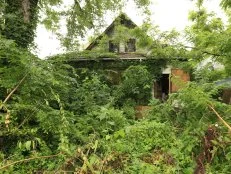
(12, 92)
(220, 118)
(28, 159)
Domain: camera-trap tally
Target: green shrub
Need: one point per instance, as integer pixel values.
(135, 85)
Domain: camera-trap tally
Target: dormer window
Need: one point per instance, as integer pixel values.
(131, 45)
(113, 47)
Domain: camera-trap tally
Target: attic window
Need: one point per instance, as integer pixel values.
(131, 45)
(113, 47)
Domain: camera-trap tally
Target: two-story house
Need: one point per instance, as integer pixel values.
(118, 40)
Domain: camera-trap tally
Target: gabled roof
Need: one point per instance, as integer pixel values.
(122, 19)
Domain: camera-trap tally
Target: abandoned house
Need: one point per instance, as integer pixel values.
(119, 42)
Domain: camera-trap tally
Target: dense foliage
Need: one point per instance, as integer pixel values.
(56, 118)
(19, 19)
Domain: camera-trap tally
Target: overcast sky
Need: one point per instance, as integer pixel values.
(167, 14)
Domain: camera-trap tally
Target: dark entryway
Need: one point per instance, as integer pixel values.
(165, 84)
(161, 87)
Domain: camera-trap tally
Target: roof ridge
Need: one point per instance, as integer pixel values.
(122, 15)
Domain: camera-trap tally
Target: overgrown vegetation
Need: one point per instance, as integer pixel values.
(55, 117)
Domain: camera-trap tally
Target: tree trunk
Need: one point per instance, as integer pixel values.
(21, 18)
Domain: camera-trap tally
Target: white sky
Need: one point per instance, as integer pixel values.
(167, 14)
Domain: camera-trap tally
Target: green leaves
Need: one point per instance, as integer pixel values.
(30, 144)
(226, 4)
(62, 108)
(136, 84)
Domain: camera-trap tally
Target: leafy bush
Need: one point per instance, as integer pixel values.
(90, 94)
(56, 118)
(135, 85)
(106, 120)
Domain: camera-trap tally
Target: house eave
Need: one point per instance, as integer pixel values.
(108, 59)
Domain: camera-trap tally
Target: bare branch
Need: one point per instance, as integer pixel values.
(204, 51)
(12, 92)
(28, 159)
(220, 118)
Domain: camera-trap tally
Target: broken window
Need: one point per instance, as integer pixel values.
(131, 45)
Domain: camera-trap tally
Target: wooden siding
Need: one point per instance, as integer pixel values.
(182, 75)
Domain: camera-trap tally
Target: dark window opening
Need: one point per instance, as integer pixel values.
(113, 47)
(131, 45)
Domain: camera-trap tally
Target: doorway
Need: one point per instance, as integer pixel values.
(161, 87)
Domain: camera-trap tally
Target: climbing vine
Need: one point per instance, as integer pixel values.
(70, 114)
(20, 21)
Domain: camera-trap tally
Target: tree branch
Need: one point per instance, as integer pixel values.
(28, 159)
(205, 52)
(12, 92)
(220, 118)
(26, 10)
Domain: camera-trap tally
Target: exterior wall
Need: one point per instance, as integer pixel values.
(159, 87)
(167, 70)
(226, 97)
(121, 47)
(182, 75)
(156, 92)
(104, 45)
